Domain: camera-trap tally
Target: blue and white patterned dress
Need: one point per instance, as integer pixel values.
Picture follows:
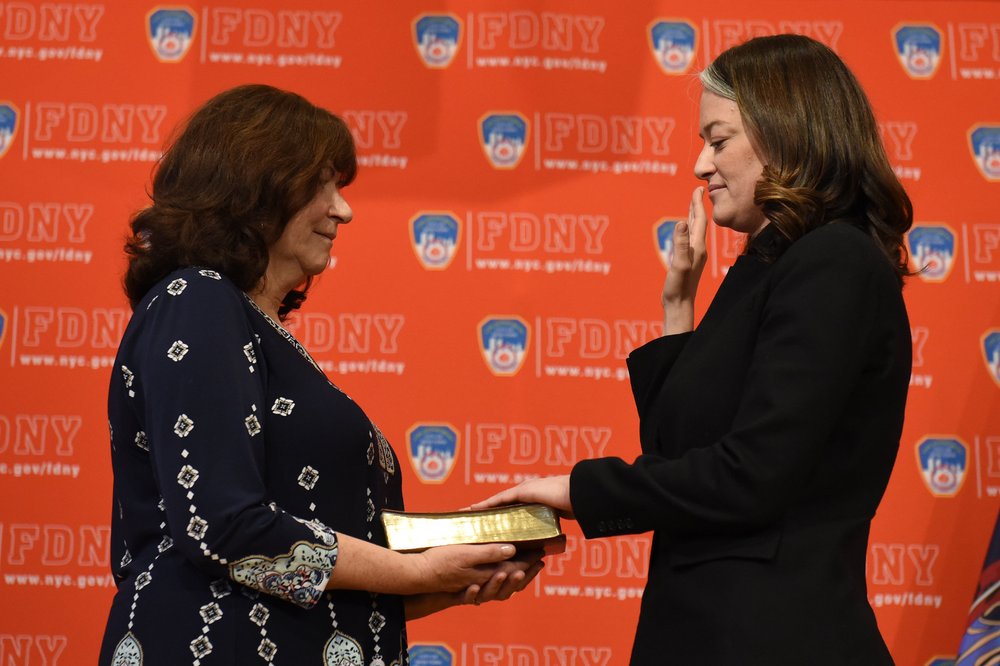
(236, 463)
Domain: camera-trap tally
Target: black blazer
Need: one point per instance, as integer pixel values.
(768, 436)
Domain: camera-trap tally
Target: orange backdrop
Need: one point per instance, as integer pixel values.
(521, 166)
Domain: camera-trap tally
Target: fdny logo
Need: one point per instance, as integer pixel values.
(673, 45)
(942, 464)
(503, 137)
(433, 448)
(663, 233)
(991, 353)
(918, 48)
(171, 32)
(436, 37)
(504, 343)
(430, 655)
(435, 238)
(984, 142)
(932, 251)
(8, 126)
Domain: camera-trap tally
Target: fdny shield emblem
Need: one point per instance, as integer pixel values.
(673, 44)
(918, 48)
(8, 126)
(503, 342)
(663, 234)
(932, 251)
(170, 31)
(435, 238)
(991, 353)
(437, 37)
(942, 464)
(984, 142)
(433, 448)
(431, 655)
(504, 137)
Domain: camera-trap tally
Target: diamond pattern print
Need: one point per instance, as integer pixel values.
(177, 350)
(177, 287)
(308, 477)
(184, 426)
(282, 406)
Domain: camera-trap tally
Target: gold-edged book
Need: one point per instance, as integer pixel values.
(526, 526)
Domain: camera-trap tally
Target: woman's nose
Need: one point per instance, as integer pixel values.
(704, 166)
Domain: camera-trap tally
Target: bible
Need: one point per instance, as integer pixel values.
(525, 526)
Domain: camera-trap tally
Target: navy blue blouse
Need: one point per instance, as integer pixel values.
(236, 463)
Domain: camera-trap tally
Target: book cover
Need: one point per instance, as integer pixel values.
(526, 526)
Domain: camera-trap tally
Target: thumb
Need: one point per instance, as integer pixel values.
(498, 552)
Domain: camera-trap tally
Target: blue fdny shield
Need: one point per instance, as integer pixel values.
(673, 44)
(435, 239)
(984, 141)
(504, 344)
(431, 655)
(504, 137)
(932, 251)
(942, 464)
(433, 448)
(918, 48)
(170, 32)
(663, 232)
(8, 126)
(436, 37)
(991, 353)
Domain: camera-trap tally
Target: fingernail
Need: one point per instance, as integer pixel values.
(507, 550)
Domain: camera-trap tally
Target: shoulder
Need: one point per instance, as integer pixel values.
(838, 247)
(194, 290)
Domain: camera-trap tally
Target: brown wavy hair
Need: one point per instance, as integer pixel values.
(229, 181)
(811, 122)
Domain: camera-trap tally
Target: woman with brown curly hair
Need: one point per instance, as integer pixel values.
(769, 431)
(247, 486)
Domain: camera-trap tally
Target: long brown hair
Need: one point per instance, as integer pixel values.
(813, 126)
(238, 170)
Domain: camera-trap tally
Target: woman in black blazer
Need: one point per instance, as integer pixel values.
(769, 432)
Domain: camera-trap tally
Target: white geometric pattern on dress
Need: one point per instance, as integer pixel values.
(126, 559)
(210, 274)
(196, 528)
(128, 376)
(177, 287)
(143, 579)
(128, 652)
(267, 650)
(210, 613)
(220, 588)
(282, 406)
(142, 441)
(184, 426)
(187, 476)
(177, 350)
(252, 424)
(308, 477)
(342, 650)
(259, 614)
(201, 647)
(165, 544)
(249, 352)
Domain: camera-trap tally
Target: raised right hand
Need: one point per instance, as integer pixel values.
(686, 265)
